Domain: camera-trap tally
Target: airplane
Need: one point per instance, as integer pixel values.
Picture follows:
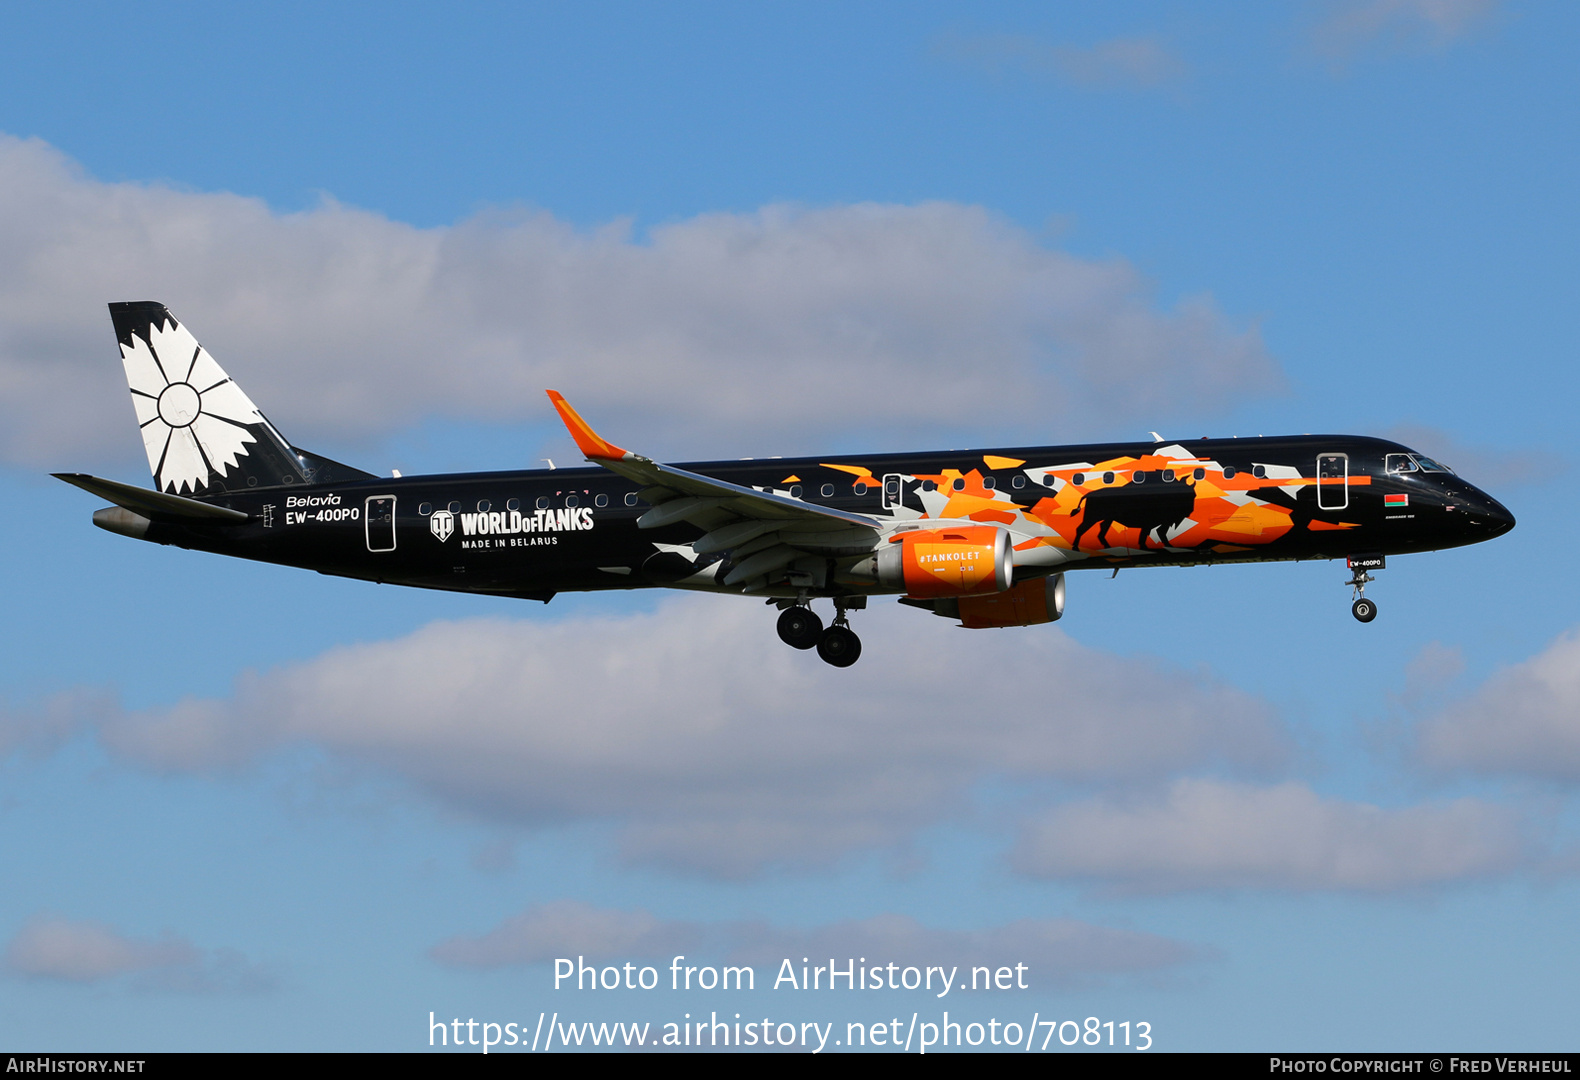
(983, 537)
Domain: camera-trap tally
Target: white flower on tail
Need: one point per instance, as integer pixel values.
(193, 417)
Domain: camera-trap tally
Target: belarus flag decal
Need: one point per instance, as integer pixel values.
(1396, 500)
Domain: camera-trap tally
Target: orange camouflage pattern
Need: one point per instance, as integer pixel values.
(1229, 512)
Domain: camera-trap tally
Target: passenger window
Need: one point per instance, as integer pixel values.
(795, 491)
(959, 484)
(1018, 482)
(860, 488)
(483, 505)
(630, 498)
(543, 502)
(1078, 479)
(600, 499)
(425, 509)
(891, 487)
(1138, 477)
(1228, 472)
(1166, 475)
(989, 482)
(928, 485)
(1201, 474)
(455, 508)
(828, 491)
(513, 504)
(1108, 478)
(1259, 472)
(571, 500)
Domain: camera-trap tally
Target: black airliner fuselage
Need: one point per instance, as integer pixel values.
(980, 536)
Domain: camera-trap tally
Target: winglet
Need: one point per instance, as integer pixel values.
(591, 444)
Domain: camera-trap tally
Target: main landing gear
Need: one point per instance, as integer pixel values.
(800, 628)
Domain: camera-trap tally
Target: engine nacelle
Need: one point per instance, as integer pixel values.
(1040, 600)
(960, 561)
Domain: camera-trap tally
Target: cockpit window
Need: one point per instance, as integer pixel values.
(1428, 465)
(1401, 463)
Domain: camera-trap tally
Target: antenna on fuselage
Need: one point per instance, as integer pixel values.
(1155, 436)
(550, 461)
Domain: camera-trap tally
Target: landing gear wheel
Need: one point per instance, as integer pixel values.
(839, 646)
(800, 628)
(1363, 609)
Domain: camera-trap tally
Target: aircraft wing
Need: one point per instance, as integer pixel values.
(764, 531)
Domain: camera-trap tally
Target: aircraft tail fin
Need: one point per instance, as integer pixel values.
(202, 432)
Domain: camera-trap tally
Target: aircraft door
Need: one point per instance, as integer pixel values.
(378, 514)
(1333, 481)
(893, 491)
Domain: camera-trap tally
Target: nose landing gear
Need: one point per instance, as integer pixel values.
(1363, 609)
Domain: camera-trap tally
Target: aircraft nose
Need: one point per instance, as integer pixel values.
(1502, 520)
(1490, 514)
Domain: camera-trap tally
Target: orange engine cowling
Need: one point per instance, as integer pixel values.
(1040, 600)
(964, 561)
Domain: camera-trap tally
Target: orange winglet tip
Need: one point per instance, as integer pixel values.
(588, 441)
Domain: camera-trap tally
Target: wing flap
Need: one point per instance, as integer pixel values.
(680, 509)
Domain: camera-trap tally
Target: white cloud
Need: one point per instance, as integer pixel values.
(1429, 672)
(53, 947)
(57, 948)
(1206, 834)
(1352, 25)
(1118, 63)
(764, 332)
(1054, 950)
(1525, 720)
(713, 745)
(40, 728)
(569, 928)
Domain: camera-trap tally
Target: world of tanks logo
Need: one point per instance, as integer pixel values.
(442, 524)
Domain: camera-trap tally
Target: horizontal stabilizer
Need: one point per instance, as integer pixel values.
(155, 505)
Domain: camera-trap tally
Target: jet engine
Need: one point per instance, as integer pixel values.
(958, 561)
(1039, 600)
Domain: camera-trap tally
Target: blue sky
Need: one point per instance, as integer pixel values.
(248, 807)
